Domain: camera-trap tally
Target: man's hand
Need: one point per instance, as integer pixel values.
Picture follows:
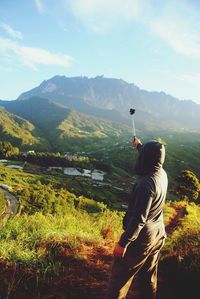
(119, 250)
(135, 142)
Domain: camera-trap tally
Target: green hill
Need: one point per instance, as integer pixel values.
(59, 241)
(79, 132)
(19, 131)
(42, 112)
(64, 129)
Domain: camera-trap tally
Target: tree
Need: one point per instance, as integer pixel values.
(187, 186)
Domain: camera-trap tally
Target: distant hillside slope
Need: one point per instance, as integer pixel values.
(41, 112)
(19, 131)
(64, 129)
(112, 98)
(79, 132)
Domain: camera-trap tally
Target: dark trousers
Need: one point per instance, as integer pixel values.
(141, 259)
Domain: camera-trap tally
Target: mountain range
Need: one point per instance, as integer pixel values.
(112, 99)
(61, 111)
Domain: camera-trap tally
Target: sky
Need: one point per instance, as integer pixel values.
(151, 43)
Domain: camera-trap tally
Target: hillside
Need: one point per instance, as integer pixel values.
(79, 132)
(59, 244)
(112, 98)
(42, 112)
(19, 131)
(65, 129)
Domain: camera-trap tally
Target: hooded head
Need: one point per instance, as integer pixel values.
(151, 157)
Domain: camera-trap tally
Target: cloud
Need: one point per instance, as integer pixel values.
(178, 27)
(176, 23)
(40, 6)
(31, 57)
(10, 31)
(100, 15)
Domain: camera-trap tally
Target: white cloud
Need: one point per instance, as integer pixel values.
(178, 27)
(32, 57)
(10, 31)
(101, 14)
(176, 23)
(40, 6)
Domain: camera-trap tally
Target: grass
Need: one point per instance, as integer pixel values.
(169, 211)
(2, 201)
(184, 242)
(58, 233)
(28, 239)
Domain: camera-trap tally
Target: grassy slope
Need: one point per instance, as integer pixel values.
(80, 206)
(41, 242)
(19, 131)
(76, 219)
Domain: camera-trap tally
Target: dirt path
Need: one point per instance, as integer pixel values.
(11, 205)
(179, 213)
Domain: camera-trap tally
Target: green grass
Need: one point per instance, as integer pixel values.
(28, 239)
(184, 242)
(169, 211)
(2, 201)
(53, 217)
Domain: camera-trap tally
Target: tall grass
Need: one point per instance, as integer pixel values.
(184, 242)
(2, 201)
(27, 239)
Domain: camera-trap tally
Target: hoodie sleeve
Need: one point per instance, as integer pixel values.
(138, 215)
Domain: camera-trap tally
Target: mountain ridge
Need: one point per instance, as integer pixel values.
(117, 96)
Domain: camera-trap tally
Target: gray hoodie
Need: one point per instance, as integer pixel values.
(143, 220)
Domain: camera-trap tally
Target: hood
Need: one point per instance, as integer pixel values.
(151, 157)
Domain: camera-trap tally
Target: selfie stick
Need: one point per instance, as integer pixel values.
(132, 112)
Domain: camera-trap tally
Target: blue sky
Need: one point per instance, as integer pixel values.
(151, 43)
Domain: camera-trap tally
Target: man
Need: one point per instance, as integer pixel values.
(138, 249)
